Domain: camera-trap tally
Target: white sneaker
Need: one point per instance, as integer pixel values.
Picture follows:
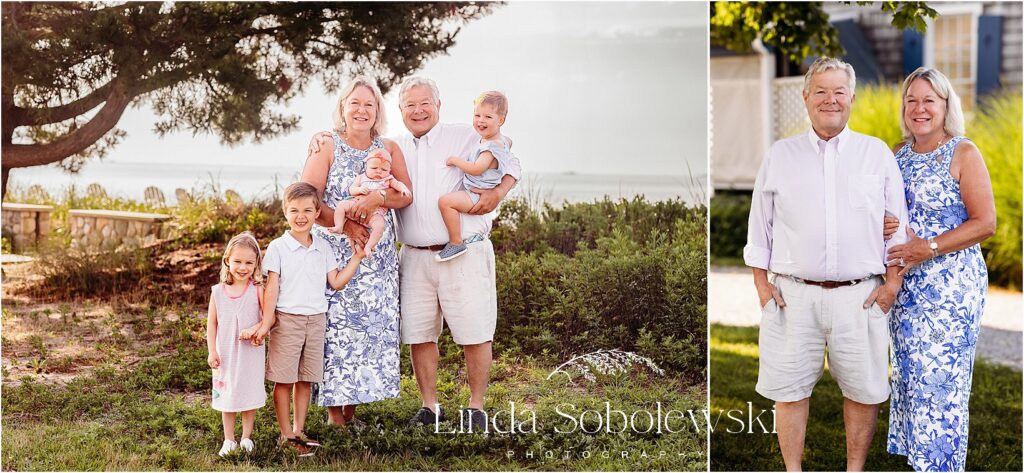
(228, 447)
(246, 445)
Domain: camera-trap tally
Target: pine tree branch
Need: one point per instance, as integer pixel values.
(44, 115)
(16, 155)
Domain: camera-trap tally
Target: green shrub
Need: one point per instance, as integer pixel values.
(729, 213)
(641, 286)
(996, 130)
(565, 228)
(71, 273)
(209, 218)
(876, 112)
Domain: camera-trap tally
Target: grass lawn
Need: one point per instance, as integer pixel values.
(995, 431)
(153, 414)
(104, 355)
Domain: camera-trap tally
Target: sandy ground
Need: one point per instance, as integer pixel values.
(732, 300)
(60, 338)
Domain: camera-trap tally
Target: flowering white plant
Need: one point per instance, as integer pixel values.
(606, 362)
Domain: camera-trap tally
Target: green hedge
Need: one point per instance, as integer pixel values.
(729, 213)
(628, 274)
(996, 130)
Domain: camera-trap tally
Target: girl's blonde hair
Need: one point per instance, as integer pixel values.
(495, 99)
(246, 240)
(381, 123)
(954, 124)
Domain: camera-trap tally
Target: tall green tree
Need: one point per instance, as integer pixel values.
(71, 69)
(797, 29)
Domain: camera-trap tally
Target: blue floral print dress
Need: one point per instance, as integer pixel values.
(361, 349)
(935, 323)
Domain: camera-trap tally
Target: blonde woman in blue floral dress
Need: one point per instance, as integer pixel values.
(937, 316)
(361, 352)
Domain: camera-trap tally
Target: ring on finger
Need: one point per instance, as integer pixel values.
(903, 262)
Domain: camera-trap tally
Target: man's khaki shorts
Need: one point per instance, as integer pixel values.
(295, 351)
(793, 342)
(461, 292)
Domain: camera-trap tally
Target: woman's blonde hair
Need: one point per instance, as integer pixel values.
(246, 240)
(954, 124)
(381, 123)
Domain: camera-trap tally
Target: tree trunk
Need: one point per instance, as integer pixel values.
(3, 185)
(6, 134)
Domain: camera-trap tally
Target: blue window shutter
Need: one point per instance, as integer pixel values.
(913, 51)
(990, 53)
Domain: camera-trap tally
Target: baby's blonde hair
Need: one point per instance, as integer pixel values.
(246, 240)
(495, 99)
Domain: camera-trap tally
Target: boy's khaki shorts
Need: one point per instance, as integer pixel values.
(295, 351)
(793, 342)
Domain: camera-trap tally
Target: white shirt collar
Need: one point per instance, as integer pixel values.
(841, 139)
(294, 244)
(430, 136)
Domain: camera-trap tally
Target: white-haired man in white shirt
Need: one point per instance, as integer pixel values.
(460, 292)
(816, 221)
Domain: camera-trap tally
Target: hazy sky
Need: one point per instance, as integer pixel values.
(592, 86)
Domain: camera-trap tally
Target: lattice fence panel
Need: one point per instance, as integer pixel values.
(789, 116)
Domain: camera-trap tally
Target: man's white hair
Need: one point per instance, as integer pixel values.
(826, 63)
(416, 81)
(954, 124)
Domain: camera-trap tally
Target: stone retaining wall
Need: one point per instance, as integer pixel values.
(108, 230)
(26, 225)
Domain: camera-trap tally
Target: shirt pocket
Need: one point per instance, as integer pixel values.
(865, 191)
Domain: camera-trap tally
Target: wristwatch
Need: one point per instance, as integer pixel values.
(932, 245)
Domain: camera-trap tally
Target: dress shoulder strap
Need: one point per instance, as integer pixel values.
(339, 144)
(949, 148)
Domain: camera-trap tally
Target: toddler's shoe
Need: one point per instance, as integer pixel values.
(450, 251)
(246, 444)
(228, 447)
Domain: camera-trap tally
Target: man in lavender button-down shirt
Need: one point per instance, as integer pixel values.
(816, 223)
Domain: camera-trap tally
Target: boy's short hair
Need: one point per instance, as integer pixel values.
(495, 99)
(300, 190)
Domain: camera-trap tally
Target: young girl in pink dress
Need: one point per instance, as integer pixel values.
(238, 364)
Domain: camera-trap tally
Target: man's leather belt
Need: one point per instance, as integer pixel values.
(830, 284)
(472, 239)
(431, 247)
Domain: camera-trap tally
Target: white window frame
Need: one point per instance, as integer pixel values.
(974, 10)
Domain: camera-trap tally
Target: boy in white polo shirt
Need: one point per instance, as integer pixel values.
(299, 266)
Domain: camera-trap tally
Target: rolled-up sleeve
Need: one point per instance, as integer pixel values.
(758, 251)
(895, 201)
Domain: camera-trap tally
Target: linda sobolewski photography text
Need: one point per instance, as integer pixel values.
(600, 334)
(976, 45)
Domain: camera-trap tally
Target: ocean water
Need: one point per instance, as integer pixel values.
(128, 179)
